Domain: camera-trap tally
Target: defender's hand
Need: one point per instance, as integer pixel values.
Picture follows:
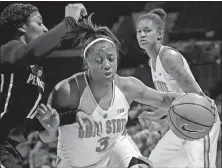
(76, 11)
(48, 117)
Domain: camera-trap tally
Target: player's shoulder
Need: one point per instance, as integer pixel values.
(69, 90)
(131, 87)
(61, 94)
(80, 80)
(62, 86)
(169, 51)
(169, 54)
(120, 81)
(11, 44)
(71, 84)
(126, 83)
(9, 50)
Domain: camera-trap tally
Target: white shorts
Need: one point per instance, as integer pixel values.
(173, 152)
(120, 157)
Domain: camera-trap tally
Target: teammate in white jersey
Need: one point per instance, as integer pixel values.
(106, 97)
(171, 73)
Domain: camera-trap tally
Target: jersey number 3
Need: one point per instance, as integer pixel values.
(103, 142)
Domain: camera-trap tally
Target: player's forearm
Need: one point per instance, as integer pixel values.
(167, 99)
(157, 99)
(186, 82)
(174, 66)
(189, 85)
(45, 44)
(66, 115)
(66, 118)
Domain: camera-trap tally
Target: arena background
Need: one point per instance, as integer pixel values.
(194, 28)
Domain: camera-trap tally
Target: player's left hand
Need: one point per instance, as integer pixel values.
(48, 117)
(154, 121)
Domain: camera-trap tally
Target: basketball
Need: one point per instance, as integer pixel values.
(191, 117)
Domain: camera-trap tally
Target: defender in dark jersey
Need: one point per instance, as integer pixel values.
(21, 81)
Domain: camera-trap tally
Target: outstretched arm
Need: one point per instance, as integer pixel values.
(136, 90)
(15, 52)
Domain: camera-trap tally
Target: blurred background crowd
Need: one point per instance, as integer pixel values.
(193, 28)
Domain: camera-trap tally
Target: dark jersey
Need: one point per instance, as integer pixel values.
(21, 87)
(21, 82)
(21, 90)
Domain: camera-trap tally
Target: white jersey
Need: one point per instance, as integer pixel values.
(80, 149)
(172, 151)
(162, 80)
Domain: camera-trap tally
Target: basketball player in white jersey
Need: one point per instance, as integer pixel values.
(106, 97)
(171, 73)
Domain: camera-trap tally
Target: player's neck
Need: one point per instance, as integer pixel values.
(99, 89)
(152, 51)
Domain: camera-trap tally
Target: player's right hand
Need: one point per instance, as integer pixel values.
(84, 119)
(76, 11)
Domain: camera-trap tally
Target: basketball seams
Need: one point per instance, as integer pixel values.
(190, 120)
(196, 105)
(178, 98)
(178, 129)
(192, 105)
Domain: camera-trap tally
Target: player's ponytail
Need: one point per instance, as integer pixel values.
(160, 12)
(158, 16)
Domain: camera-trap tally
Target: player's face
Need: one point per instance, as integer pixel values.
(146, 33)
(102, 62)
(34, 27)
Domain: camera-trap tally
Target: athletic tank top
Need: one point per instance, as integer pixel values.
(162, 80)
(22, 87)
(21, 90)
(78, 148)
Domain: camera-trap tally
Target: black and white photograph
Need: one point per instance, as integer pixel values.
(110, 84)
